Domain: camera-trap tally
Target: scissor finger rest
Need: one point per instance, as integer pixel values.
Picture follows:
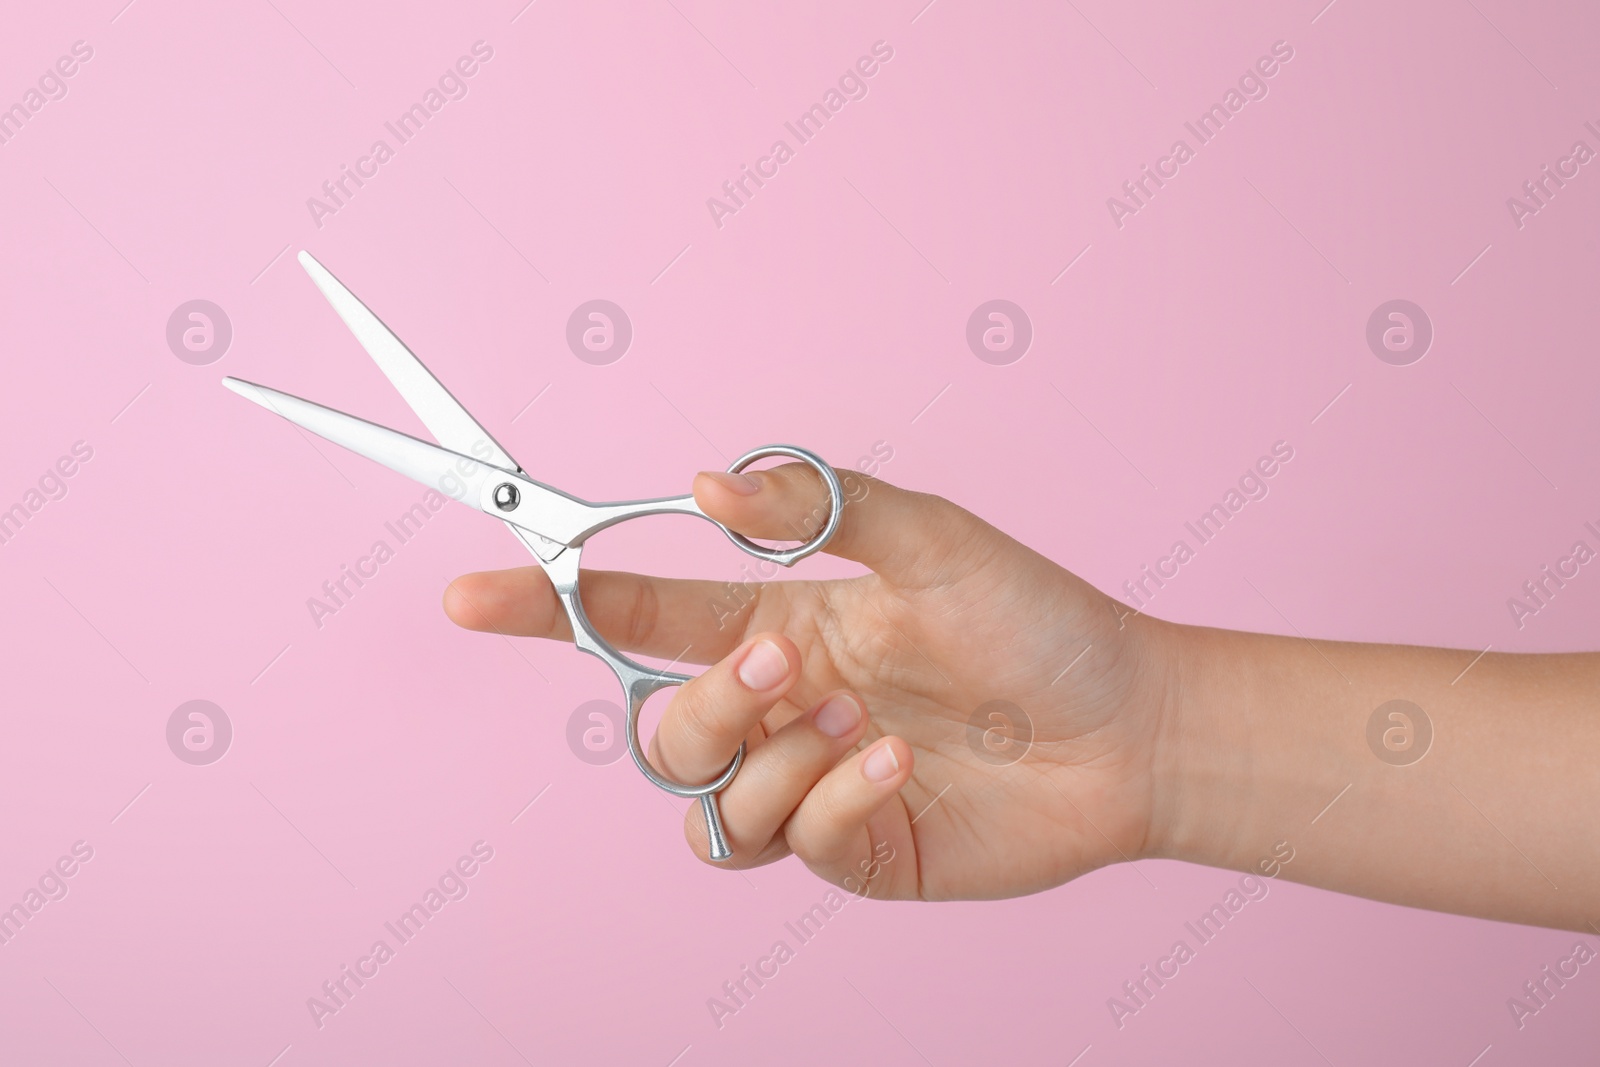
(639, 691)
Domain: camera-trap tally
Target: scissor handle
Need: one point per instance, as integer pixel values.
(640, 682)
(566, 521)
(810, 543)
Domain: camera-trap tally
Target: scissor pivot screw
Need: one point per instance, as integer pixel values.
(506, 496)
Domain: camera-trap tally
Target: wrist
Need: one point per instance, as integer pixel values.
(1259, 735)
(1200, 764)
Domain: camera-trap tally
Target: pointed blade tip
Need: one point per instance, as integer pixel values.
(250, 391)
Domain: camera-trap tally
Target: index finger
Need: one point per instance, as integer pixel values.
(669, 618)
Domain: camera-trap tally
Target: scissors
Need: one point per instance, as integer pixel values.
(468, 465)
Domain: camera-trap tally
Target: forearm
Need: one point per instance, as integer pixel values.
(1267, 741)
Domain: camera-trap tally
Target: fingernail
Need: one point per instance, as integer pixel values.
(880, 764)
(743, 484)
(763, 667)
(838, 716)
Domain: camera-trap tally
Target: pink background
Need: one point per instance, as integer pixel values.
(370, 753)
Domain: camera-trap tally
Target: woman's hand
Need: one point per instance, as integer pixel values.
(968, 720)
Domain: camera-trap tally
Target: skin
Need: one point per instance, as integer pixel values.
(1148, 738)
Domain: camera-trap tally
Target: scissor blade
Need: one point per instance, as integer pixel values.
(452, 474)
(440, 412)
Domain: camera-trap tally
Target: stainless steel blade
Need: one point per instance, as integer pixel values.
(452, 474)
(440, 412)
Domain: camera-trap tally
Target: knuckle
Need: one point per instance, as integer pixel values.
(686, 744)
(694, 720)
(813, 839)
(823, 810)
(800, 845)
(643, 612)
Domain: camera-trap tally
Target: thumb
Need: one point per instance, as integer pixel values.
(910, 539)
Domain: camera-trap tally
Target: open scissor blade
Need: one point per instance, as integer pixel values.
(452, 474)
(440, 412)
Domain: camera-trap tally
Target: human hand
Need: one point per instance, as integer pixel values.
(856, 697)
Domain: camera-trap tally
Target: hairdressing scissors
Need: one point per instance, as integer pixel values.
(468, 465)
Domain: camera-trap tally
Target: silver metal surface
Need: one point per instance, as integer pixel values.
(639, 683)
(538, 507)
(444, 416)
(456, 476)
(474, 469)
(450, 423)
(809, 542)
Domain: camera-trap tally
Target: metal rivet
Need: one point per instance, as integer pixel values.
(506, 496)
